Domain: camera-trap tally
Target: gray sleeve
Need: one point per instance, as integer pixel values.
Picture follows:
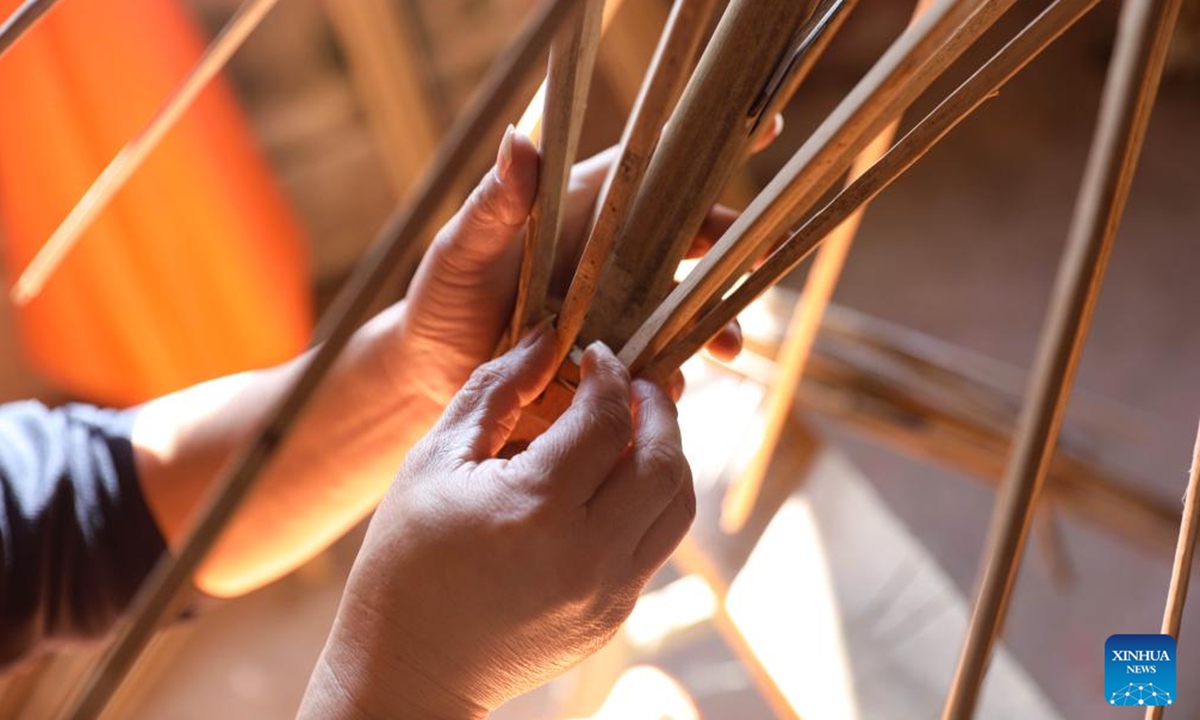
(76, 537)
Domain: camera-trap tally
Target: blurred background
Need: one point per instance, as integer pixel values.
(346, 99)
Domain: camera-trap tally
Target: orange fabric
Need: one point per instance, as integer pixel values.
(198, 267)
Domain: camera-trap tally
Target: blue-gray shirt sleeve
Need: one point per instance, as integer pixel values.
(77, 537)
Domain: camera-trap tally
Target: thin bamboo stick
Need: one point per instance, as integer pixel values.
(701, 145)
(742, 493)
(669, 70)
(568, 80)
(134, 153)
(909, 66)
(22, 19)
(1181, 572)
(1143, 39)
(984, 84)
(394, 252)
(530, 122)
(827, 16)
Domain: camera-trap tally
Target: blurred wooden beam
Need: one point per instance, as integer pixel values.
(388, 70)
(932, 401)
(628, 48)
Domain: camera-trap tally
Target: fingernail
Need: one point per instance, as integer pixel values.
(534, 334)
(778, 124)
(598, 348)
(504, 157)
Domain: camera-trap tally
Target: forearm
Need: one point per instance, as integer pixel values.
(330, 472)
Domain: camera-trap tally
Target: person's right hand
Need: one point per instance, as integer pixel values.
(481, 578)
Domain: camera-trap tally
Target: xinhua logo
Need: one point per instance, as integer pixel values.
(1139, 670)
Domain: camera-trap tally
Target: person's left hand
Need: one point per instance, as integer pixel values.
(481, 576)
(460, 301)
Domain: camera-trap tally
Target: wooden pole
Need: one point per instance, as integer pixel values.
(669, 70)
(742, 493)
(134, 153)
(1143, 39)
(700, 146)
(1181, 572)
(22, 19)
(912, 147)
(395, 252)
(568, 81)
(909, 66)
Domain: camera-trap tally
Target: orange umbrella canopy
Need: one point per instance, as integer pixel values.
(198, 268)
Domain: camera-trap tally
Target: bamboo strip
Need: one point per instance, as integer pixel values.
(1181, 572)
(827, 17)
(742, 493)
(1143, 39)
(22, 19)
(685, 30)
(702, 143)
(911, 148)
(394, 252)
(530, 122)
(134, 153)
(568, 81)
(909, 66)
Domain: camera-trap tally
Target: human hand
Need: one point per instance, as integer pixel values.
(461, 298)
(480, 577)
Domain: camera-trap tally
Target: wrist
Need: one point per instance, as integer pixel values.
(349, 683)
(398, 365)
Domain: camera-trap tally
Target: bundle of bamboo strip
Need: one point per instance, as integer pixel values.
(701, 108)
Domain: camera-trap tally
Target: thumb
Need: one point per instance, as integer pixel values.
(487, 224)
(481, 417)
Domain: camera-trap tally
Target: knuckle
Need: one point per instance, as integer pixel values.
(666, 465)
(489, 392)
(614, 609)
(618, 373)
(500, 399)
(487, 207)
(487, 382)
(450, 254)
(611, 416)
